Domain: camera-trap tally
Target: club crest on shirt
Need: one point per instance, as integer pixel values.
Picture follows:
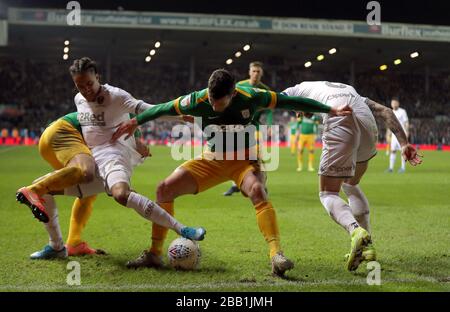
(245, 113)
(100, 99)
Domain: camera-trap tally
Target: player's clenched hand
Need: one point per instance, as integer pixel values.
(143, 149)
(128, 127)
(343, 110)
(410, 154)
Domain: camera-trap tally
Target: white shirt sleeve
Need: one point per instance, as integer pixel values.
(292, 91)
(129, 103)
(142, 107)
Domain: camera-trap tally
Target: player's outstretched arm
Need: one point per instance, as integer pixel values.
(156, 111)
(409, 152)
(299, 103)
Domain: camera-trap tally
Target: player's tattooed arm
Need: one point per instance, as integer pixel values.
(409, 152)
(389, 118)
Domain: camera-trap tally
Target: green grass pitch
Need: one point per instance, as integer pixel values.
(410, 222)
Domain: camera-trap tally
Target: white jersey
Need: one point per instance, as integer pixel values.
(346, 140)
(402, 117)
(332, 94)
(99, 119)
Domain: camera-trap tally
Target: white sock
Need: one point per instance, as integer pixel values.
(52, 227)
(403, 163)
(338, 210)
(151, 211)
(358, 204)
(392, 160)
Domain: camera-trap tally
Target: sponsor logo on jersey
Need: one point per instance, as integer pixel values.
(90, 119)
(186, 101)
(245, 113)
(338, 95)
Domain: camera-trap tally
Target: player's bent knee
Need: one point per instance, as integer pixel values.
(88, 175)
(121, 198)
(257, 192)
(164, 192)
(120, 195)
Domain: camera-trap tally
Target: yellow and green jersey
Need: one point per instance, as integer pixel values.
(293, 126)
(234, 119)
(269, 115)
(309, 125)
(73, 120)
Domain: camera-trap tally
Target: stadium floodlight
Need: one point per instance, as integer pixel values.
(308, 64)
(246, 47)
(152, 52)
(320, 57)
(383, 67)
(238, 54)
(66, 49)
(148, 59)
(66, 42)
(157, 44)
(332, 51)
(414, 54)
(397, 61)
(229, 61)
(65, 56)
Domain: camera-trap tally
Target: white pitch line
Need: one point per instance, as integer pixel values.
(230, 285)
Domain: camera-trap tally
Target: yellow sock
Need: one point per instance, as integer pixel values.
(300, 159)
(58, 180)
(310, 159)
(159, 233)
(267, 222)
(81, 211)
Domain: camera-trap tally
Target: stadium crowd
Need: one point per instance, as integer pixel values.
(33, 94)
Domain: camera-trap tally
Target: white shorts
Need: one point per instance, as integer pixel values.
(347, 141)
(395, 145)
(116, 163)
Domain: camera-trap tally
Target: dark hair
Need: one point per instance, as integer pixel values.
(395, 98)
(221, 83)
(256, 64)
(83, 65)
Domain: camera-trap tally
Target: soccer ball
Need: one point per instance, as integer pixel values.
(184, 254)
